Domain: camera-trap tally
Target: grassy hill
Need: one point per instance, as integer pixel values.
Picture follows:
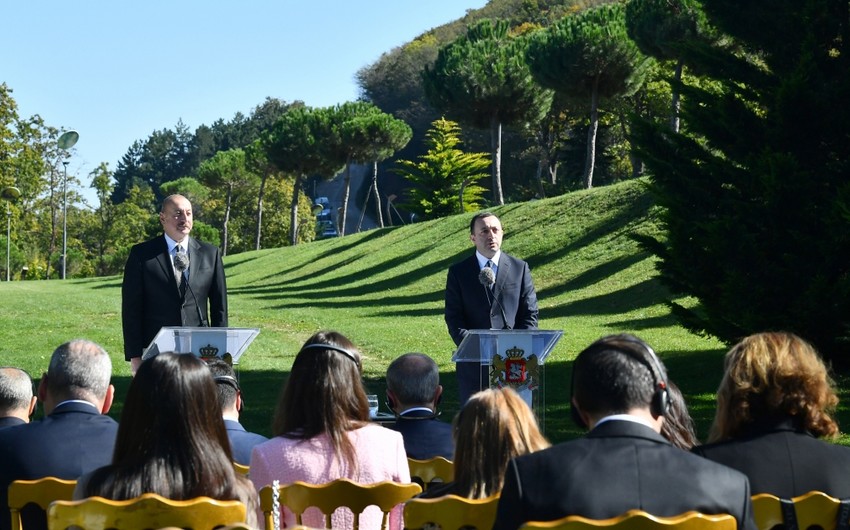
(384, 290)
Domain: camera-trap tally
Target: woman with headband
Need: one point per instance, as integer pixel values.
(323, 433)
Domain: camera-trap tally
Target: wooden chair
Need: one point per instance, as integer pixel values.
(639, 520)
(241, 469)
(451, 513)
(40, 492)
(811, 509)
(424, 472)
(299, 496)
(147, 511)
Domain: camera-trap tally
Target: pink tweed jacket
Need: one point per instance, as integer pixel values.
(380, 456)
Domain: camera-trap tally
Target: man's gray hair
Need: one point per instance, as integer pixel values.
(15, 389)
(79, 369)
(413, 378)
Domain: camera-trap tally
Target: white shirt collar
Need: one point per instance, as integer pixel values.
(482, 261)
(171, 243)
(624, 417)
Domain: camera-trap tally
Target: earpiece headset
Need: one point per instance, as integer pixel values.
(644, 354)
(229, 380)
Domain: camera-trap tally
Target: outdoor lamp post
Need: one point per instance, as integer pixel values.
(66, 141)
(10, 193)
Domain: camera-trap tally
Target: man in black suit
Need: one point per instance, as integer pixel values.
(74, 438)
(230, 401)
(508, 303)
(413, 392)
(17, 402)
(620, 393)
(156, 293)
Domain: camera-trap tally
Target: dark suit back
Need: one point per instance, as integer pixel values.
(74, 439)
(424, 436)
(242, 441)
(784, 462)
(619, 466)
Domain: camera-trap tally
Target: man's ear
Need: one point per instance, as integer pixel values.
(438, 393)
(239, 403)
(107, 399)
(33, 403)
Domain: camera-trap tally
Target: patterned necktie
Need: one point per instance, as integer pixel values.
(178, 275)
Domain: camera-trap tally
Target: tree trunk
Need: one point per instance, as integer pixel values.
(590, 160)
(293, 211)
(377, 196)
(260, 208)
(674, 106)
(363, 210)
(52, 247)
(634, 160)
(227, 203)
(538, 177)
(347, 189)
(496, 147)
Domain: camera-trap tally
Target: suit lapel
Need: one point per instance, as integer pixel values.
(503, 274)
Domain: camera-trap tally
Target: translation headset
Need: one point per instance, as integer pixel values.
(229, 380)
(325, 346)
(644, 354)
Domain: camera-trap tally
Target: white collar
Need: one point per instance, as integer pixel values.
(482, 261)
(171, 243)
(624, 417)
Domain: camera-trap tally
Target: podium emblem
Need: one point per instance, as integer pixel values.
(515, 370)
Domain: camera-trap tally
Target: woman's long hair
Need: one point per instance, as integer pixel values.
(771, 376)
(171, 439)
(494, 426)
(324, 394)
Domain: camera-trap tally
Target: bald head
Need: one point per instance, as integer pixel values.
(16, 394)
(79, 369)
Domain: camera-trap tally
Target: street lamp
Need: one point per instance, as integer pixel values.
(10, 193)
(66, 141)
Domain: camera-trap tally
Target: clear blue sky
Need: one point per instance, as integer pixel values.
(117, 70)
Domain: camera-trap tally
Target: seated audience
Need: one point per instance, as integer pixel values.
(413, 392)
(230, 401)
(493, 426)
(678, 426)
(75, 436)
(17, 402)
(322, 432)
(775, 400)
(619, 392)
(171, 439)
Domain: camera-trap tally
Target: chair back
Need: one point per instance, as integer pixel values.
(451, 512)
(811, 509)
(424, 472)
(639, 520)
(147, 511)
(241, 469)
(299, 496)
(40, 492)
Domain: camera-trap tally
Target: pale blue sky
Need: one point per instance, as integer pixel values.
(117, 70)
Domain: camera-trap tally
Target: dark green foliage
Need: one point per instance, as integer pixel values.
(442, 172)
(756, 197)
(660, 27)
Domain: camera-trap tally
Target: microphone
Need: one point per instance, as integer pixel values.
(181, 263)
(487, 278)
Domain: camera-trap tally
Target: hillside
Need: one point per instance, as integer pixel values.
(384, 289)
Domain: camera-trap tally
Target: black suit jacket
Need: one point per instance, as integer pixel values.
(784, 461)
(424, 435)
(74, 439)
(619, 466)
(242, 441)
(467, 305)
(10, 421)
(150, 298)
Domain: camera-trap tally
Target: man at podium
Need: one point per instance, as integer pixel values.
(171, 280)
(487, 290)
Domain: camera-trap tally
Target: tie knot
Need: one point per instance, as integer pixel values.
(489, 264)
(178, 249)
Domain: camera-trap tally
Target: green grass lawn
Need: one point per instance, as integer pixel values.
(384, 290)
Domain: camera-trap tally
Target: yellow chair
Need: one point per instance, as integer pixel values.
(242, 470)
(147, 511)
(427, 471)
(40, 492)
(451, 512)
(811, 509)
(299, 496)
(639, 520)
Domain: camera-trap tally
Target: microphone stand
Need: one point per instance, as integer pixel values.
(195, 298)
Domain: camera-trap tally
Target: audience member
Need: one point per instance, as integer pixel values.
(413, 393)
(230, 401)
(619, 392)
(171, 439)
(322, 432)
(17, 402)
(75, 436)
(678, 426)
(493, 427)
(775, 400)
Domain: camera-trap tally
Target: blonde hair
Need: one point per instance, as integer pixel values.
(493, 427)
(774, 374)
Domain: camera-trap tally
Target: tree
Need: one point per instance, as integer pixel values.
(225, 171)
(660, 28)
(483, 79)
(294, 146)
(588, 55)
(756, 197)
(445, 178)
